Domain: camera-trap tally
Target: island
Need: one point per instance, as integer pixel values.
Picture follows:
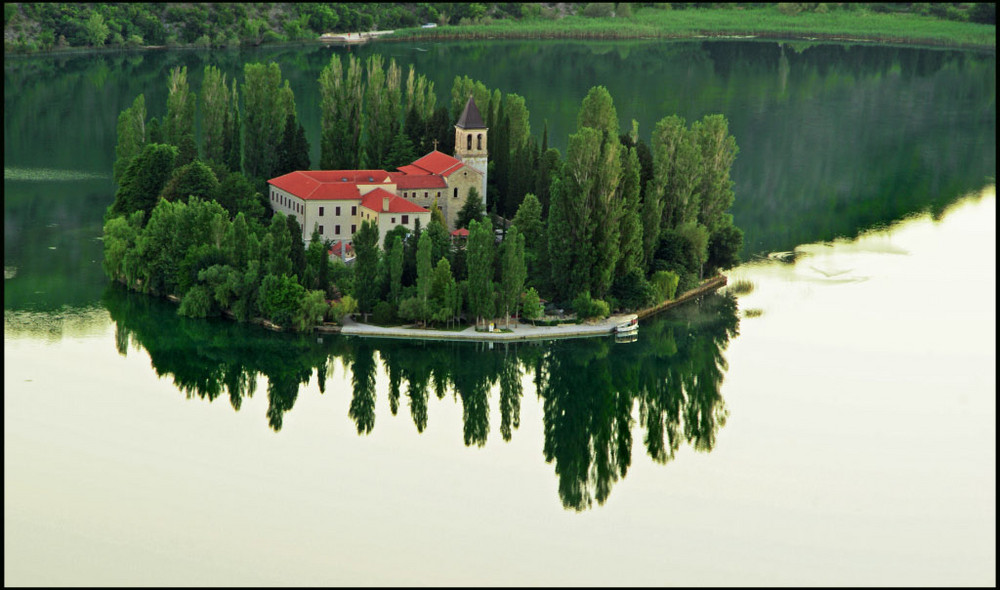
(436, 220)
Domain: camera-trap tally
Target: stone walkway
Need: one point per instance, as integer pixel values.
(518, 331)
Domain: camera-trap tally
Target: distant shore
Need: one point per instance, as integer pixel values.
(835, 26)
(736, 23)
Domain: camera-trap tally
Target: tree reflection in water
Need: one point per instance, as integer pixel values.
(593, 391)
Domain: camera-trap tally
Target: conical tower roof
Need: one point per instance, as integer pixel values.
(471, 119)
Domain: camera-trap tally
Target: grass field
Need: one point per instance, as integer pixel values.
(726, 22)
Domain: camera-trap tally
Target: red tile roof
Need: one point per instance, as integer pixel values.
(374, 201)
(438, 163)
(461, 232)
(328, 184)
(421, 181)
(335, 250)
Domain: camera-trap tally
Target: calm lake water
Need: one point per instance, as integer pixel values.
(829, 419)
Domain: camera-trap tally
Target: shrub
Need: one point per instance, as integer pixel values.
(197, 302)
(599, 9)
(585, 307)
(384, 313)
(665, 284)
(633, 291)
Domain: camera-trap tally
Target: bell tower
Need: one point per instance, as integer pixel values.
(470, 141)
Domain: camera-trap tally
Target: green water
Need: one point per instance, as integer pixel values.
(830, 419)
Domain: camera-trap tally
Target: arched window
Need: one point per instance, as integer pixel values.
(469, 142)
(479, 141)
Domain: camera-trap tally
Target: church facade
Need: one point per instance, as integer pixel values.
(337, 201)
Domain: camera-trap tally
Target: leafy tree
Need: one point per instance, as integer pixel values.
(131, 136)
(237, 195)
(194, 179)
(632, 290)
(724, 247)
(196, 303)
(119, 237)
(366, 284)
(144, 179)
(154, 131)
(312, 310)
(343, 308)
(96, 30)
(531, 306)
(281, 299)
(472, 210)
(665, 284)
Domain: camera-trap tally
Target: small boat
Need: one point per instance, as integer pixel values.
(629, 326)
(626, 337)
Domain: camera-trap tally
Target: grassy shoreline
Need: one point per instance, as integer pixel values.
(768, 23)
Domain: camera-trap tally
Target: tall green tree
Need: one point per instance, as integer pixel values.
(267, 107)
(630, 245)
(131, 136)
(293, 153)
(178, 123)
(424, 274)
(605, 200)
(480, 252)
(366, 284)
(396, 270)
(215, 106)
(233, 137)
(513, 273)
(276, 247)
(341, 104)
(676, 171)
(529, 221)
(718, 152)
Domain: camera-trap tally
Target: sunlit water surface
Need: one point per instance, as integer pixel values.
(858, 448)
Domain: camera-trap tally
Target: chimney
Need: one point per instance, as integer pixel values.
(385, 204)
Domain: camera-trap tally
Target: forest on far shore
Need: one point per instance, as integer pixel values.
(48, 26)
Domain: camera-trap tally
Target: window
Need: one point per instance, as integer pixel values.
(336, 230)
(354, 211)
(439, 194)
(406, 219)
(468, 144)
(404, 194)
(321, 212)
(354, 229)
(321, 230)
(456, 193)
(425, 194)
(393, 220)
(337, 211)
(479, 141)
